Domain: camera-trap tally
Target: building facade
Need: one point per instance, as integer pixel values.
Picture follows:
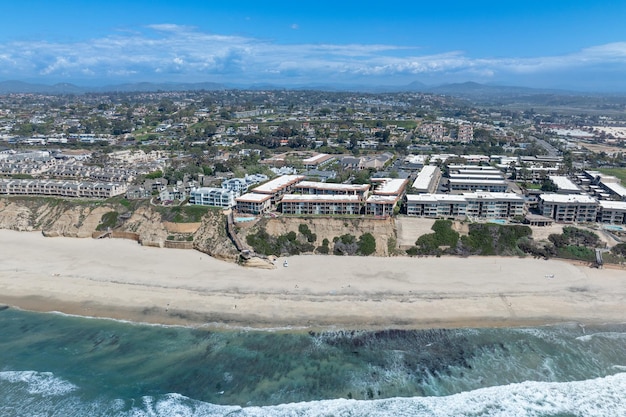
(209, 196)
(568, 208)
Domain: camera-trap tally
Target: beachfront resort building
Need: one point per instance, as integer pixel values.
(326, 188)
(209, 196)
(253, 203)
(479, 205)
(321, 204)
(613, 212)
(385, 196)
(569, 208)
(278, 187)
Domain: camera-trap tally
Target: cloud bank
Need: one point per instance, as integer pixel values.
(170, 52)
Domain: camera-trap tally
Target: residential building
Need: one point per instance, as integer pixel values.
(171, 193)
(84, 189)
(480, 205)
(564, 185)
(278, 187)
(427, 180)
(209, 196)
(568, 208)
(613, 212)
(254, 203)
(478, 184)
(321, 204)
(325, 188)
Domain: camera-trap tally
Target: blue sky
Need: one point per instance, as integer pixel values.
(559, 44)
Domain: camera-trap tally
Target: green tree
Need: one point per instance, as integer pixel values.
(367, 244)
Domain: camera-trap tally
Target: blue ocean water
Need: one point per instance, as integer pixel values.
(56, 365)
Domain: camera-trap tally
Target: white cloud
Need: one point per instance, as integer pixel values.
(174, 50)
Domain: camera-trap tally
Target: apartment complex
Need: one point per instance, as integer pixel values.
(568, 208)
(209, 196)
(324, 188)
(385, 196)
(427, 180)
(481, 205)
(84, 189)
(253, 203)
(321, 204)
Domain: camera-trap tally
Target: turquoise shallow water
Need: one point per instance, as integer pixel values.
(55, 365)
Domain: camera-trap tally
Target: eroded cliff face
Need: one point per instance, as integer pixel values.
(147, 223)
(211, 238)
(328, 228)
(55, 217)
(15, 216)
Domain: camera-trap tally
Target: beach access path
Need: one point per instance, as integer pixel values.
(120, 279)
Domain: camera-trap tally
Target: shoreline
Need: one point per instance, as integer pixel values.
(121, 280)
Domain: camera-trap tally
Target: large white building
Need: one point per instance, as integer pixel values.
(84, 189)
(327, 188)
(480, 205)
(612, 212)
(209, 196)
(321, 204)
(478, 184)
(569, 208)
(254, 203)
(278, 187)
(427, 180)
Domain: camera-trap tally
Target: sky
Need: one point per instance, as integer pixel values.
(569, 44)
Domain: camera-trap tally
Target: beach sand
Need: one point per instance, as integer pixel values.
(123, 280)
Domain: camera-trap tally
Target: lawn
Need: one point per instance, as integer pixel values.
(616, 172)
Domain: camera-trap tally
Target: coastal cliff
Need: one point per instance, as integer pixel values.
(83, 219)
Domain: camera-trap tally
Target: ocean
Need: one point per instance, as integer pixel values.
(58, 365)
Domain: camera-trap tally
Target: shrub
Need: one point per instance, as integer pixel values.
(444, 236)
(366, 244)
(108, 220)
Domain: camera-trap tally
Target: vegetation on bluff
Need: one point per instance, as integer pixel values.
(506, 240)
(293, 243)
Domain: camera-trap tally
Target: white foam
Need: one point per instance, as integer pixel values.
(599, 397)
(606, 335)
(42, 383)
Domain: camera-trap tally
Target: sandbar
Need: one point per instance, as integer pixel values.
(121, 279)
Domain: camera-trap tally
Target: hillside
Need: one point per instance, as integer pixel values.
(82, 219)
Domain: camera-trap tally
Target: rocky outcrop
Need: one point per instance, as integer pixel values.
(75, 222)
(15, 216)
(146, 222)
(212, 239)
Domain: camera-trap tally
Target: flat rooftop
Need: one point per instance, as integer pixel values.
(564, 183)
(425, 177)
(389, 186)
(333, 186)
(253, 198)
(568, 198)
(277, 184)
(319, 198)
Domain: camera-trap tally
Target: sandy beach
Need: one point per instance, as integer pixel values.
(123, 280)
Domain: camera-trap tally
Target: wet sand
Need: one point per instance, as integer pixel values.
(123, 280)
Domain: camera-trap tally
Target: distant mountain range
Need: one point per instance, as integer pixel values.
(469, 89)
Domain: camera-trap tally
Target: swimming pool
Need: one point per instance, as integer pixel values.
(244, 219)
(613, 227)
(498, 221)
